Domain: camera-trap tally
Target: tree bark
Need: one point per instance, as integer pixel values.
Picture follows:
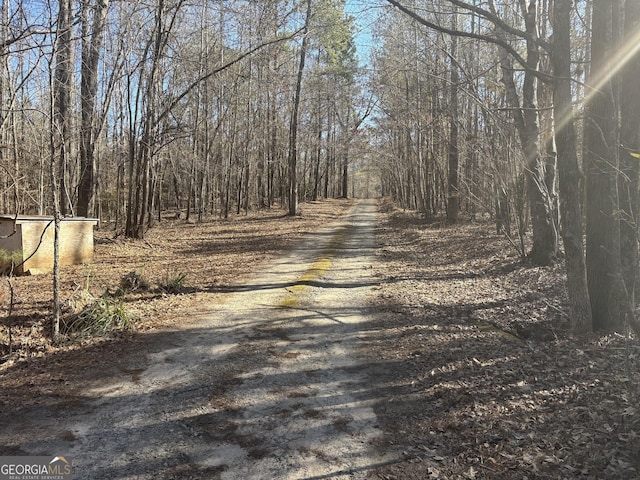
(569, 175)
(453, 200)
(91, 44)
(293, 135)
(629, 151)
(62, 99)
(544, 236)
(609, 300)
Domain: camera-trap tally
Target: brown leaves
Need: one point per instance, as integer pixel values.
(490, 405)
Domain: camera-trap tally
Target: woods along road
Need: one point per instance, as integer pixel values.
(265, 385)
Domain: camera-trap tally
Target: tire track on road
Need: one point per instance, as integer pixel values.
(303, 413)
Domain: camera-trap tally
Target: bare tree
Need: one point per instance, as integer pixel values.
(62, 88)
(453, 200)
(566, 135)
(629, 178)
(92, 34)
(569, 174)
(293, 132)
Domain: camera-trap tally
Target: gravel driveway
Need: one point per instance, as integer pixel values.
(264, 386)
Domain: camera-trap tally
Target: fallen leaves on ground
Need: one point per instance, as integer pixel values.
(480, 376)
(473, 371)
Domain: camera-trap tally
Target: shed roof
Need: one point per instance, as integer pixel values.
(43, 218)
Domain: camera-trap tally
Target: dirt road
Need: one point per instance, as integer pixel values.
(264, 386)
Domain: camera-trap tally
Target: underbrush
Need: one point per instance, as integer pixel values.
(98, 317)
(85, 315)
(173, 282)
(8, 260)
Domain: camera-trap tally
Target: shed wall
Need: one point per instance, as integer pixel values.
(35, 238)
(42, 258)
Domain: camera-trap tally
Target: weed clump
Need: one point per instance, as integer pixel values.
(99, 317)
(173, 283)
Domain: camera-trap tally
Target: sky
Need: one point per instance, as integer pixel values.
(365, 12)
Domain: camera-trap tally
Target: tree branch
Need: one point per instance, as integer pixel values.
(222, 68)
(486, 38)
(501, 24)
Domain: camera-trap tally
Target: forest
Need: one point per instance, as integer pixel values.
(440, 196)
(526, 113)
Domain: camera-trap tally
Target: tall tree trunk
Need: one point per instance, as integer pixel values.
(91, 44)
(453, 200)
(630, 150)
(609, 300)
(62, 99)
(4, 103)
(58, 118)
(141, 155)
(544, 236)
(132, 170)
(331, 148)
(318, 157)
(56, 305)
(273, 149)
(293, 135)
(569, 175)
(345, 172)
